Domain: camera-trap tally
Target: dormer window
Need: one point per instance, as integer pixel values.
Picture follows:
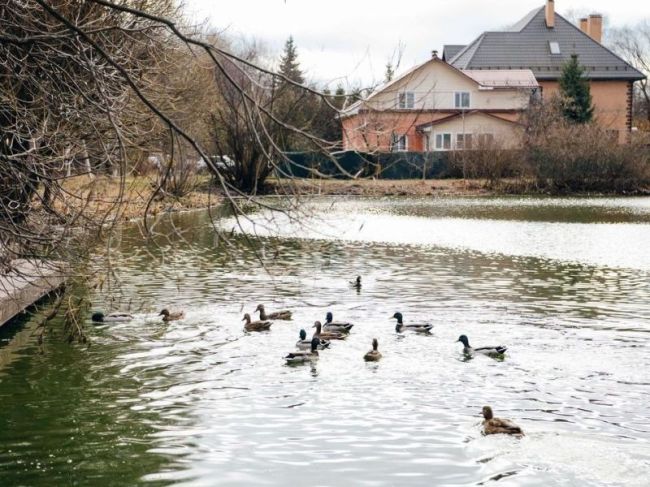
(554, 47)
(461, 99)
(406, 100)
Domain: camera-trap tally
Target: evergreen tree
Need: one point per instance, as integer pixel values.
(576, 95)
(289, 65)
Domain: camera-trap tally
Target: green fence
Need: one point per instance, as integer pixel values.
(390, 165)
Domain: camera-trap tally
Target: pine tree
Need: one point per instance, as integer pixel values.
(576, 95)
(289, 65)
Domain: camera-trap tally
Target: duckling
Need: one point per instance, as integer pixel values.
(373, 355)
(304, 344)
(337, 327)
(495, 426)
(467, 350)
(278, 315)
(100, 317)
(255, 325)
(419, 328)
(304, 356)
(171, 316)
(327, 335)
(356, 284)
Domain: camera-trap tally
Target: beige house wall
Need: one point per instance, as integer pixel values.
(506, 134)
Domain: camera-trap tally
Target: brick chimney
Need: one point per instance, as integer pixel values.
(595, 27)
(434, 54)
(584, 25)
(550, 13)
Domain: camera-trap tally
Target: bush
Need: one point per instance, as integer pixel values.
(489, 160)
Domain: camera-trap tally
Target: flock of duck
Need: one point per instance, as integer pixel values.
(307, 349)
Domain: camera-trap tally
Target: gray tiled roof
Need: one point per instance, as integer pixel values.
(450, 50)
(526, 46)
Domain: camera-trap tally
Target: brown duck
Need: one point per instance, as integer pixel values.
(278, 315)
(171, 315)
(373, 355)
(327, 335)
(496, 426)
(255, 325)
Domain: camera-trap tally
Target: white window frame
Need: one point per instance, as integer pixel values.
(406, 100)
(458, 99)
(441, 146)
(400, 143)
(554, 47)
(466, 136)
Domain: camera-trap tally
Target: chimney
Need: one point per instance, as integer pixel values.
(550, 13)
(584, 25)
(595, 27)
(434, 54)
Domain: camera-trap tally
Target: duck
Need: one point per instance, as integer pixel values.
(356, 284)
(419, 328)
(304, 344)
(467, 350)
(278, 315)
(327, 335)
(255, 325)
(496, 426)
(304, 356)
(338, 327)
(171, 316)
(100, 317)
(373, 355)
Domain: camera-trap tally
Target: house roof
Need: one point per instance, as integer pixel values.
(503, 78)
(450, 50)
(461, 113)
(526, 45)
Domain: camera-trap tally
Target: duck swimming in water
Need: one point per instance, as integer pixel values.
(304, 356)
(467, 350)
(327, 335)
(171, 316)
(304, 344)
(100, 317)
(255, 325)
(278, 315)
(419, 328)
(496, 426)
(330, 325)
(373, 355)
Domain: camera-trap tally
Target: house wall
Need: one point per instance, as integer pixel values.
(612, 105)
(435, 84)
(507, 134)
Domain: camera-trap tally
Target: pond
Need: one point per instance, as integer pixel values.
(563, 282)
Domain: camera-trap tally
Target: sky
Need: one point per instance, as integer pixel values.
(349, 42)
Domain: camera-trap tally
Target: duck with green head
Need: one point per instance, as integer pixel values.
(304, 344)
(498, 426)
(304, 356)
(417, 327)
(277, 315)
(373, 355)
(331, 325)
(492, 351)
(255, 325)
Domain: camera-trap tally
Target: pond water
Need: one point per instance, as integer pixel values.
(564, 283)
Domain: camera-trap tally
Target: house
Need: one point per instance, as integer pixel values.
(477, 92)
(543, 41)
(436, 106)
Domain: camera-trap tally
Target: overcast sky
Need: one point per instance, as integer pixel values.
(350, 41)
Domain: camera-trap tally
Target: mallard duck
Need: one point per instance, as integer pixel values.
(374, 354)
(419, 328)
(356, 284)
(327, 335)
(304, 356)
(337, 327)
(304, 344)
(255, 325)
(496, 426)
(171, 316)
(467, 350)
(278, 315)
(100, 317)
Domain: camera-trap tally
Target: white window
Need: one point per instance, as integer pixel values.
(554, 47)
(406, 100)
(461, 99)
(400, 143)
(463, 141)
(443, 141)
